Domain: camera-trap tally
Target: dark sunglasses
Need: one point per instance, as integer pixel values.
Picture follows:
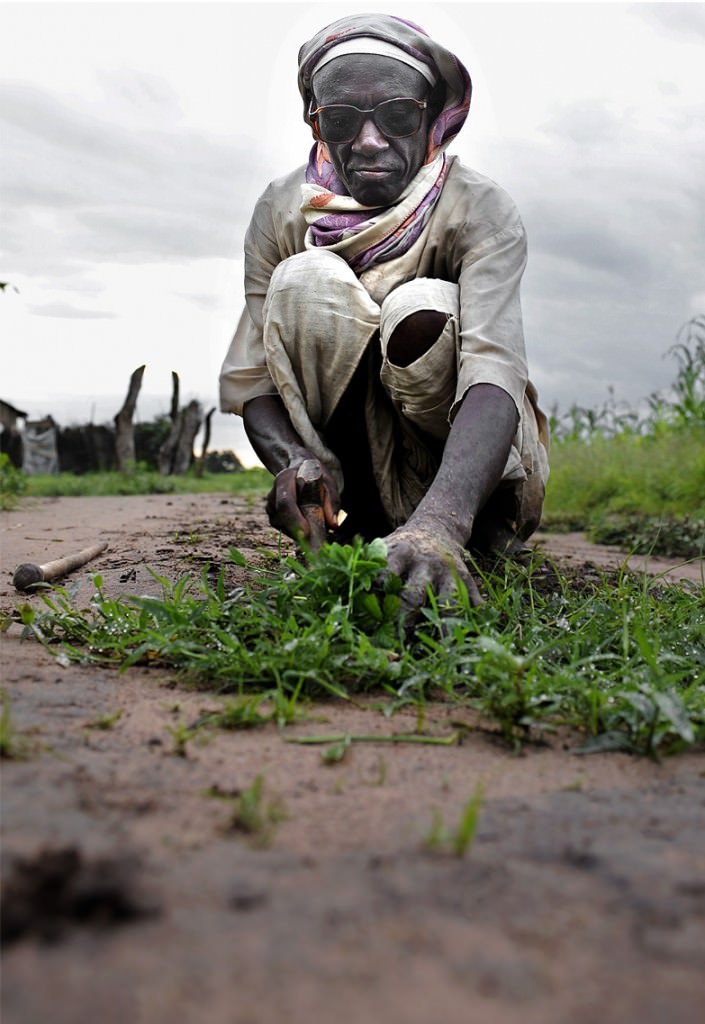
(396, 119)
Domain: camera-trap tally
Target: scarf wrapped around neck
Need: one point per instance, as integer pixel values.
(362, 235)
(365, 236)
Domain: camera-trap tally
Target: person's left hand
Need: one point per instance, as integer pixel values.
(424, 555)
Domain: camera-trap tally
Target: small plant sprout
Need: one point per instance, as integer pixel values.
(181, 733)
(255, 817)
(12, 744)
(193, 538)
(107, 721)
(335, 753)
(460, 838)
(379, 777)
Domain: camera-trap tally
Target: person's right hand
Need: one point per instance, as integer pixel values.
(283, 502)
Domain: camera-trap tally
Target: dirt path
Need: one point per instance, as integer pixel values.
(574, 549)
(129, 899)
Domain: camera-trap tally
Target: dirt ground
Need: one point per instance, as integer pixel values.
(129, 899)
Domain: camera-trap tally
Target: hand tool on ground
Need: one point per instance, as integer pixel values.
(28, 574)
(310, 496)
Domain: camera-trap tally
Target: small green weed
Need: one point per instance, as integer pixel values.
(107, 721)
(13, 746)
(243, 713)
(181, 733)
(379, 777)
(460, 838)
(335, 753)
(189, 539)
(254, 816)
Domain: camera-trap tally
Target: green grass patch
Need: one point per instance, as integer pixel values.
(645, 493)
(653, 475)
(13, 483)
(636, 477)
(145, 481)
(619, 657)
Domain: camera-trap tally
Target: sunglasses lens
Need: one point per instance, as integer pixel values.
(398, 118)
(338, 124)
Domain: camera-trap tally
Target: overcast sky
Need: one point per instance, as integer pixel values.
(136, 137)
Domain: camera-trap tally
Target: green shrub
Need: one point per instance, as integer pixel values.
(13, 483)
(643, 492)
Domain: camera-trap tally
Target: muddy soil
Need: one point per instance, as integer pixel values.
(130, 898)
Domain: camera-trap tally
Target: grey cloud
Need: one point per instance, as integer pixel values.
(594, 244)
(118, 194)
(133, 234)
(616, 248)
(585, 123)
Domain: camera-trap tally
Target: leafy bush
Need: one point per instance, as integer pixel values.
(672, 536)
(222, 462)
(13, 483)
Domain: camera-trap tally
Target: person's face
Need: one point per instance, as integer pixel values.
(374, 169)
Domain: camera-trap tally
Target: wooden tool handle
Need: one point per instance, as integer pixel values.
(28, 574)
(310, 496)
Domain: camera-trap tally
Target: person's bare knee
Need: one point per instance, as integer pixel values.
(415, 335)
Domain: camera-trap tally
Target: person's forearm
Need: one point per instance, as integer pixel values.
(271, 434)
(474, 458)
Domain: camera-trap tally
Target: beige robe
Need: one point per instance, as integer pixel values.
(308, 321)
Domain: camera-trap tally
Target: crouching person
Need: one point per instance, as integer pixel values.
(382, 336)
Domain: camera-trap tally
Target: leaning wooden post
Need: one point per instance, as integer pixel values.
(206, 441)
(176, 454)
(124, 429)
(174, 411)
(190, 424)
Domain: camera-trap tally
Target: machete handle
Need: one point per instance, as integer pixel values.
(310, 494)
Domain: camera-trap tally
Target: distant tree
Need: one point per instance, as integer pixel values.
(222, 462)
(149, 437)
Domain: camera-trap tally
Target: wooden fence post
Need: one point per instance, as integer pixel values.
(176, 454)
(124, 429)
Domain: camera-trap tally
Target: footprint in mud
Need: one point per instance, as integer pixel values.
(45, 894)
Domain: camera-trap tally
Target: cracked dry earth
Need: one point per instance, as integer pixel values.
(129, 899)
